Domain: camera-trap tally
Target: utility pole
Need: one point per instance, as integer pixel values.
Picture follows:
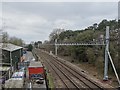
(106, 54)
(56, 47)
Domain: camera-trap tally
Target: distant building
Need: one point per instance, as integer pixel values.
(95, 26)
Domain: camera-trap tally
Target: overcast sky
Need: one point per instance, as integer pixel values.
(33, 21)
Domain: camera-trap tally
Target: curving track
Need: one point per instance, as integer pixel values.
(68, 76)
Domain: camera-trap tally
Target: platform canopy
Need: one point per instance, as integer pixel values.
(9, 47)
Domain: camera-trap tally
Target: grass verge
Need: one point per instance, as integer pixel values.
(50, 81)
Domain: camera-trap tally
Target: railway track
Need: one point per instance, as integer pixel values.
(77, 74)
(58, 82)
(69, 76)
(68, 83)
(64, 78)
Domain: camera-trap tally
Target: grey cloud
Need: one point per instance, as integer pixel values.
(37, 20)
(57, 10)
(119, 10)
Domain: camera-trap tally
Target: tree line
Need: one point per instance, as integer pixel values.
(90, 54)
(14, 40)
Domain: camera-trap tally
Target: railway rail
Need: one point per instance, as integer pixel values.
(68, 83)
(85, 82)
(58, 82)
(68, 75)
(58, 75)
(64, 78)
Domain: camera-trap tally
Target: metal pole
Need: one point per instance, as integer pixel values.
(11, 61)
(20, 55)
(56, 47)
(9, 74)
(106, 55)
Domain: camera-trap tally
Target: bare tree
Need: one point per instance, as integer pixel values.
(55, 34)
(16, 41)
(5, 37)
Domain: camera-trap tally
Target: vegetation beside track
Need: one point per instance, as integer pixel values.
(50, 81)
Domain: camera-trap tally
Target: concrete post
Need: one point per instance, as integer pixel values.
(56, 47)
(106, 54)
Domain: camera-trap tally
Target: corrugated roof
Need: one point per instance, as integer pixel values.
(9, 47)
(35, 64)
